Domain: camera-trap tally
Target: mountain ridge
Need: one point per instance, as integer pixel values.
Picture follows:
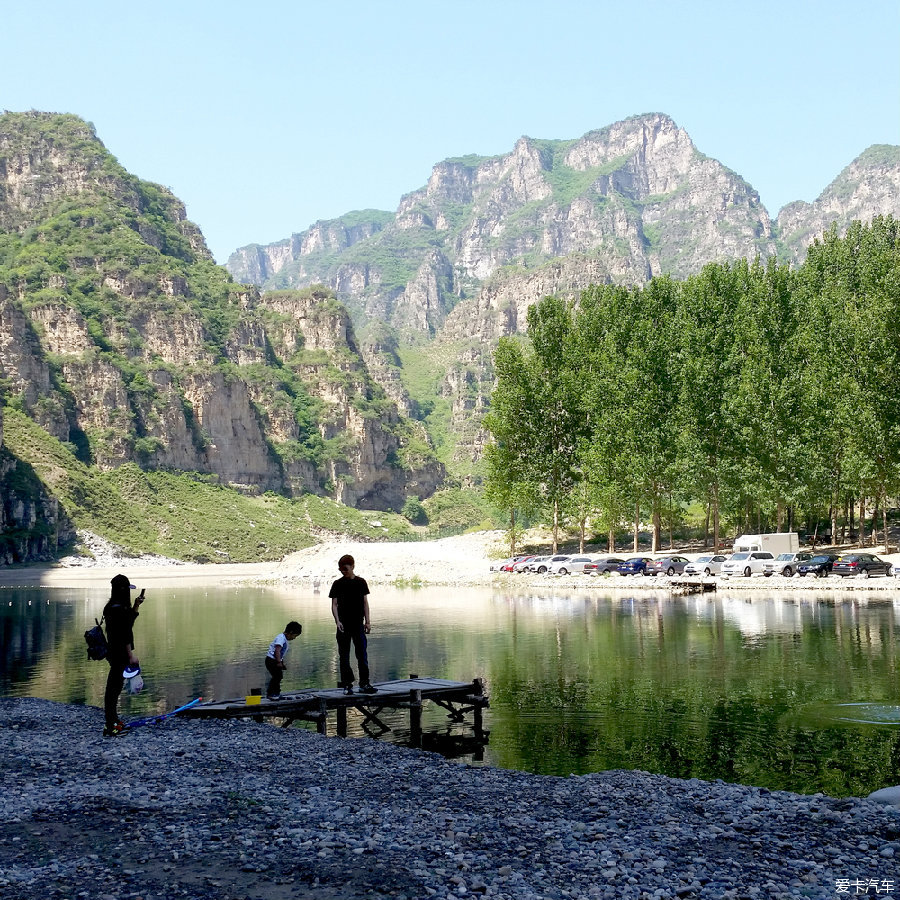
(122, 338)
(645, 167)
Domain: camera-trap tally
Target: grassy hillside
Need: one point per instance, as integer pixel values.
(181, 515)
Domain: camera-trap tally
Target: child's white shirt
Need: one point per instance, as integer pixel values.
(280, 641)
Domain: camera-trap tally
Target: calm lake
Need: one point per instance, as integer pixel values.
(784, 693)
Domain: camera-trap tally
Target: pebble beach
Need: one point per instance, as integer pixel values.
(234, 810)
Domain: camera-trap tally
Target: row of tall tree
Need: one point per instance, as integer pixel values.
(769, 394)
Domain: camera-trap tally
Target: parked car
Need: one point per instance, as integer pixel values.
(709, 564)
(819, 565)
(572, 565)
(786, 563)
(537, 564)
(498, 564)
(637, 565)
(862, 564)
(522, 563)
(551, 560)
(509, 563)
(667, 565)
(895, 570)
(746, 563)
(603, 565)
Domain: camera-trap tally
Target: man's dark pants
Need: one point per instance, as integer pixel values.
(357, 637)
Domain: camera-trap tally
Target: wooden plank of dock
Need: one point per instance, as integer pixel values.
(457, 697)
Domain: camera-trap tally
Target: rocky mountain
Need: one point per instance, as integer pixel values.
(630, 200)
(459, 262)
(868, 187)
(120, 336)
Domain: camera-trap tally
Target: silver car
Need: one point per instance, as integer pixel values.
(570, 565)
(710, 564)
(785, 563)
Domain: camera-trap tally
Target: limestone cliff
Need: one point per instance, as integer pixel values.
(868, 187)
(622, 203)
(120, 336)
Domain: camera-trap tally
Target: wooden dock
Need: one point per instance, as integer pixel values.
(457, 697)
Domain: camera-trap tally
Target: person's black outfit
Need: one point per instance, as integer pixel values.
(119, 616)
(350, 593)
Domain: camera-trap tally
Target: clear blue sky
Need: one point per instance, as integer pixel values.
(265, 117)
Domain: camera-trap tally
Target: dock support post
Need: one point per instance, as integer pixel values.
(478, 691)
(415, 718)
(322, 722)
(342, 721)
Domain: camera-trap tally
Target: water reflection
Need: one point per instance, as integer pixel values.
(701, 685)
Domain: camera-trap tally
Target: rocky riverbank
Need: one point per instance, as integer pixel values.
(241, 810)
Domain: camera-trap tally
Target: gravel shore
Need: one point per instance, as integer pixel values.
(244, 810)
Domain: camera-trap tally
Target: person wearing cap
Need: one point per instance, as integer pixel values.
(119, 614)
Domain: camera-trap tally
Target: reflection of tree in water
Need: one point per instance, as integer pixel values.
(31, 628)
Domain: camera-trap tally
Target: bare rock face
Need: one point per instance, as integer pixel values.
(868, 187)
(234, 443)
(634, 199)
(139, 349)
(258, 264)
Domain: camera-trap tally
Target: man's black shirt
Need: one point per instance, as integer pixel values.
(350, 593)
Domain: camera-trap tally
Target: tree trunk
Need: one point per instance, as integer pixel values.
(834, 516)
(884, 525)
(873, 534)
(581, 535)
(716, 543)
(851, 520)
(637, 523)
(671, 524)
(706, 526)
(862, 521)
(555, 526)
(612, 539)
(512, 531)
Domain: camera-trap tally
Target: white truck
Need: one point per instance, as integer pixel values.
(782, 542)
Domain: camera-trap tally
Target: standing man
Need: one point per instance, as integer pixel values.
(350, 607)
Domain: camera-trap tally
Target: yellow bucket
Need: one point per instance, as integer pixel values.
(253, 699)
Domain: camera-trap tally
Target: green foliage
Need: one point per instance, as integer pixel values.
(414, 511)
(454, 511)
(767, 395)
